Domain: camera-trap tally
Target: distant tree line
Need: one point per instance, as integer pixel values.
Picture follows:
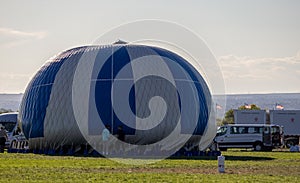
(2, 110)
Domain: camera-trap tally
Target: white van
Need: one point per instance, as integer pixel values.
(9, 122)
(257, 136)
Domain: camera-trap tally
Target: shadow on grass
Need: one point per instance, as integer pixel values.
(248, 158)
(238, 158)
(204, 157)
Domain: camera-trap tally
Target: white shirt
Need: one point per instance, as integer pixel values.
(105, 134)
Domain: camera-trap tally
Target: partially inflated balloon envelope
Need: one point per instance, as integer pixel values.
(149, 98)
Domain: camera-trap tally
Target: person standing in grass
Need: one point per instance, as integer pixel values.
(3, 138)
(121, 137)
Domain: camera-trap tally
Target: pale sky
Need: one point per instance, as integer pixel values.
(257, 42)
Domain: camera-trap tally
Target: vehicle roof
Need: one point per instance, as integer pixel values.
(9, 117)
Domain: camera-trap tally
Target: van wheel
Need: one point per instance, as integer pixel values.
(289, 143)
(268, 149)
(258, 146)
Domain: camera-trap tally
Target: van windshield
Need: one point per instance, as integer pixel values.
(221, 131)
(8, 126)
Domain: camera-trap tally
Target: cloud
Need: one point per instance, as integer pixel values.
(248, 74)
(298, 54)
(12, 37)
(12, 83)
(4, 76)
(13, 32)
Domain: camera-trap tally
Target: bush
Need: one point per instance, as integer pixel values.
(2, 110)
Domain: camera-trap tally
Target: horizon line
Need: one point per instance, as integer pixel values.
(242, 93)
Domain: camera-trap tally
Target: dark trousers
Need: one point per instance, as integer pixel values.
(2, 144)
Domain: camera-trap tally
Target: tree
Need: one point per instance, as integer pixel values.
(229, 117)
(249, 107)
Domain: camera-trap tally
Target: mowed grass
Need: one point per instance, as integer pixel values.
(240, 166)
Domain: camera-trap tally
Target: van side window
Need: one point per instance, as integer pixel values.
(258, 130)
(266, 130)
(251, 130)
(234, 130)
(243, 130)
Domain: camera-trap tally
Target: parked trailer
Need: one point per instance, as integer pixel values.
(290, 121)
(249, 116)
(256, 136)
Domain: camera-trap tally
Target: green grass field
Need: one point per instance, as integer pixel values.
(241, 166)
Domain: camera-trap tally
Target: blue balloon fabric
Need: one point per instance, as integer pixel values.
(146, 90)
